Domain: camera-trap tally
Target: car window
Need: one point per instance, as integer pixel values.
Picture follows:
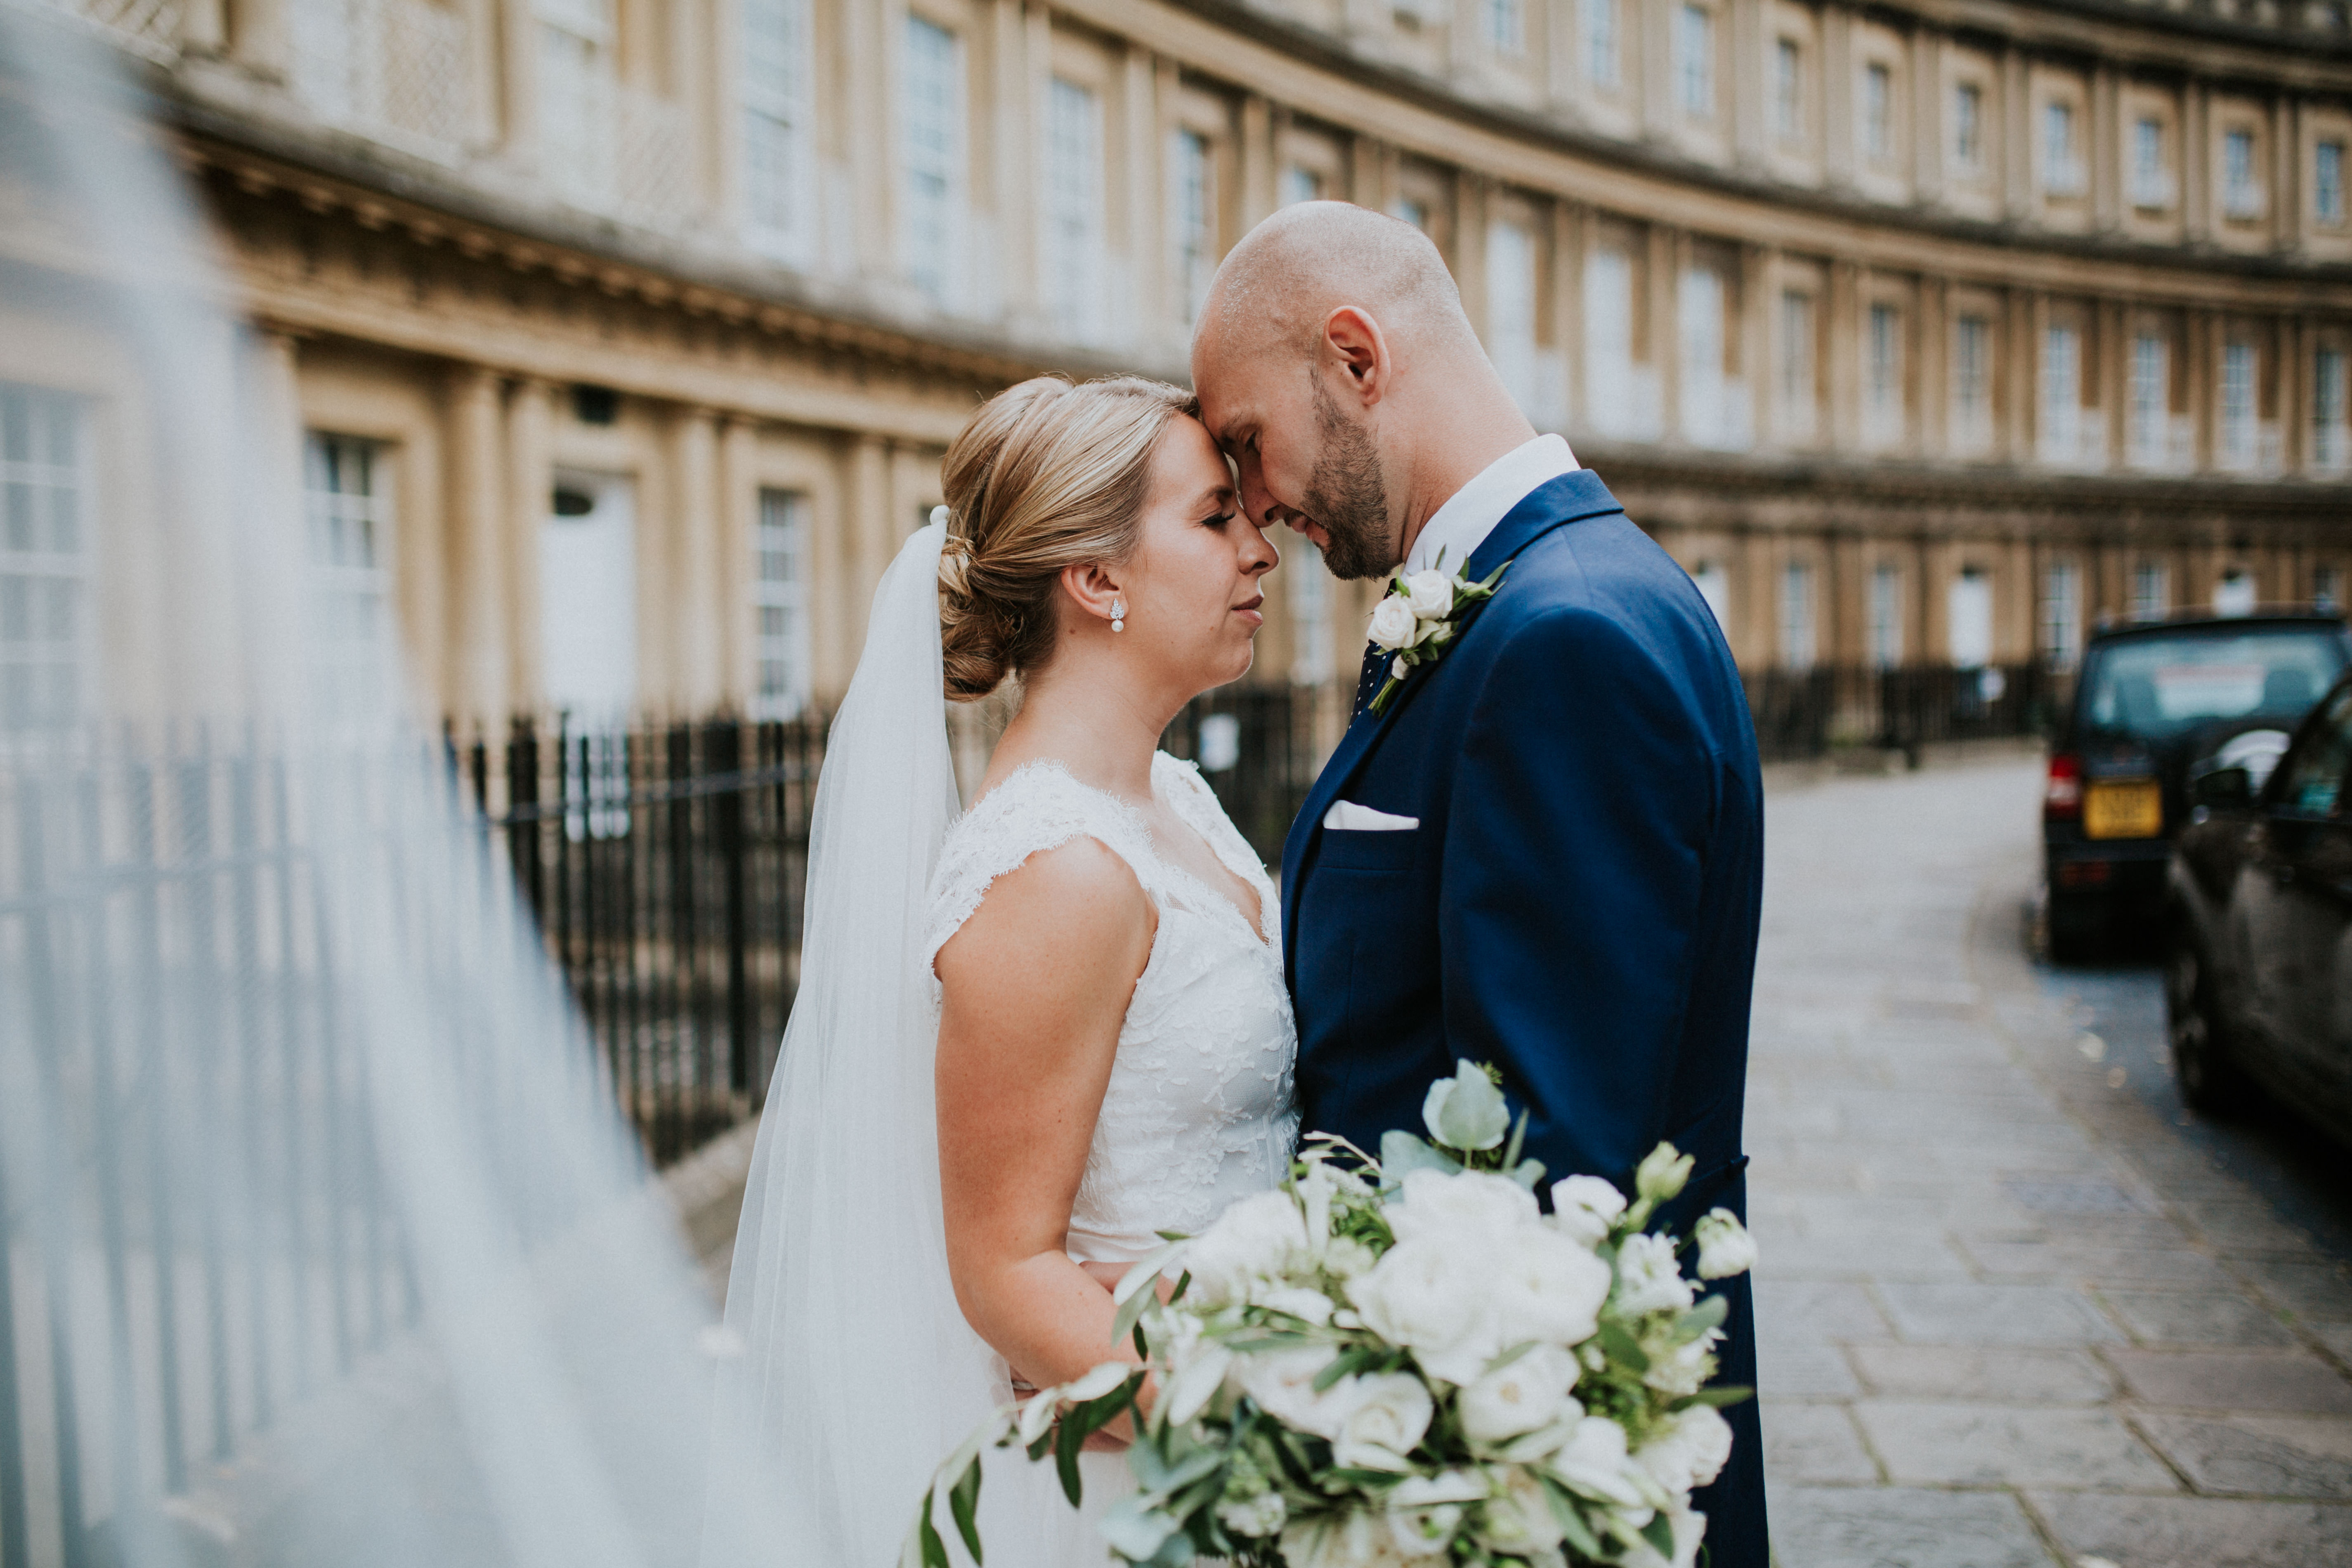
(2153, 687)
(2311, 780)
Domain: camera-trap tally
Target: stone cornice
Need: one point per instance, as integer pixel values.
(1961, 488)
(1657, 160)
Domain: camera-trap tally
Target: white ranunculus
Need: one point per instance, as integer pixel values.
(1684, 1369)
(1545, 1286)
(1476, 1206)
(1254, 1240)
(1345, 1258)
(1427, 1294)
(1283, 1383)
(1661, 1173)
(1517, 1398)
(1594, 1462)
(1466, 1110)
(1648, 1279)
(1519, 1518)
(1725, 1247)
(1356, 1539)
(1298, 1301)
(1387, 1417)
(1584, 1207)
(1688, 1449)
(1425, 1511)
(1430, 594)
(1260, 1515)
(1393, 626)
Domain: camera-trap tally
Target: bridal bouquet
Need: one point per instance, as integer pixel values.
(1393, 1362)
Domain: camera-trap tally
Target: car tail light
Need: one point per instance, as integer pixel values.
(2061, 796)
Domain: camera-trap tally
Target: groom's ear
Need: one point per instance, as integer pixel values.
(1354, 344)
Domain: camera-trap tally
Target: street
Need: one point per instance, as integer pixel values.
(2016, 1309)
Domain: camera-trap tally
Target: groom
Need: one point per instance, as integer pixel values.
(1545, 851)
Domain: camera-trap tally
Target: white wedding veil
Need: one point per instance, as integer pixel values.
(856, 1372)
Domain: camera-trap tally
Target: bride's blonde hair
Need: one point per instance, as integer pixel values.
(1047, 475)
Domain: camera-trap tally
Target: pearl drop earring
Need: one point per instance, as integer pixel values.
(1119, 614)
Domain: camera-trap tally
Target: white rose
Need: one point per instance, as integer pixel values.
(1519, 1518)
(1352, 1540)
(1725, 1247)
(1254, 1240)
(1397, 668)
(1425, 1511)
(1517, 1398)
(1387, 1417)
(1430, 594)
(1427, 1294)
(1584, 1207)
(1684, 1369)
(1260, 1515)
(1545, 1286)
(1689, 1527)
(1648, 1279)
(1393, 626)
(1594, 1462)
(1688, 1451)
(1472, 1204)
(1283, 1383)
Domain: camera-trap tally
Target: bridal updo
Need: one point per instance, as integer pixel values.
(1047, 475)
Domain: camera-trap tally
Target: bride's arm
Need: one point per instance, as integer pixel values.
(1034, 986)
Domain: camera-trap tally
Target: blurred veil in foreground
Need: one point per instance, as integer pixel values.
(321, 1241)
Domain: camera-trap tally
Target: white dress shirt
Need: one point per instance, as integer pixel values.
(1463, 523)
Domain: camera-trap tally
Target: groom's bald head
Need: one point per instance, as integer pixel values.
(1277, 287)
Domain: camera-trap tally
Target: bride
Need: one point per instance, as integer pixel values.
(1027, 1038)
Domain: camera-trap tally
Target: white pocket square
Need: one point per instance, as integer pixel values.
(1347, 815)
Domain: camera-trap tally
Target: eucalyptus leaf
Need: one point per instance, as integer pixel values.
(935, 1551)
(1660, 1533)
(1067, 1440)
(1571, 1516)
(1136, 1528)
(1719, 1397)
(1526, 1172)
(1623, 1347)
(1401, 1154)
(1707, 1314)
(963, 1502)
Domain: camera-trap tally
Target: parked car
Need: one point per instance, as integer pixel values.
(2153, 696)
(2258, 961)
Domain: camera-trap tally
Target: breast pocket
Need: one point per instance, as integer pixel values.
(1356, 849)
(1367, 949)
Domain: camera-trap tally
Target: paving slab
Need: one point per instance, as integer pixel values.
(2177, 1267)
(2009, 1445)
(1791, 1369)
(2319, 1292)
(2256, 1455)
(1813, 1442)
(2196, 1532)
(1815, 1311)
(2196, 1318)
(2288, 1380)
(1902, 1527)
(1973, 1314)
(2005, 1374)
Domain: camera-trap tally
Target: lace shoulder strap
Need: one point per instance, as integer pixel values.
(1039, 808)
(1190, 793)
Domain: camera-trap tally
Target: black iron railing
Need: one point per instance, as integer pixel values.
(1808, 713)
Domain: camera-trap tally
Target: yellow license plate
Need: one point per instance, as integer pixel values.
(2132, 810)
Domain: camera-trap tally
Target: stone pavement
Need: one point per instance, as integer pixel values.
(2010, 1317)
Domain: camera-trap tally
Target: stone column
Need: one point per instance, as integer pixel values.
(1571, 227)
(2203, 369)
(518, 120)
(867, 532)
(697, 628)
(1841, 370)
(1759, 294)
(2016, 136)
(1669, 249)
(2286, 173)
(1927, 115)
(1657, 105)
(259, 37)
(1472, 193)
(531, 478)
(738, 512)
(1141, 231)
(1837, 96)
(1934, 376)
(2288, 335)
(2106, 134)
(1257, 152)
(1751, 58)
(478, 550)
(2196, 162)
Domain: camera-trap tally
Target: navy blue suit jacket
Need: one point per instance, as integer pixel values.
(1579, 904)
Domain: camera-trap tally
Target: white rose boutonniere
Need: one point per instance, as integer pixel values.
(1417, 619)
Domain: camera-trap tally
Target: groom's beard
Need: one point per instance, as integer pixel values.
(1346, 499)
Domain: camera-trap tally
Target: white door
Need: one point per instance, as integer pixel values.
(588, 596)
(1970, 604)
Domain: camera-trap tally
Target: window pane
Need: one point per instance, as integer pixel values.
(1194, 230)
(1074, 206)
(1696, 45)
(44, 646)
(780, 594)
(931, 120)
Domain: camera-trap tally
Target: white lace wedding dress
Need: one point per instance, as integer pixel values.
(1198, 1112)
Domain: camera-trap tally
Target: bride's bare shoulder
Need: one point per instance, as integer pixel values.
(1066, 915)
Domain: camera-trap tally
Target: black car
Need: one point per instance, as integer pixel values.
(2258, 961)
(2152, 697)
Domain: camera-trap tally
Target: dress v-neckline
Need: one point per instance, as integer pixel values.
(1256, 928)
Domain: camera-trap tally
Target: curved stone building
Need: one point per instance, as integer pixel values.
(623, 336)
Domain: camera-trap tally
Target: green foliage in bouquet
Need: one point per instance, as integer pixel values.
(1394, 1362)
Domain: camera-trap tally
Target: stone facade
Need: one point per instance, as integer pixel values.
(1921, 333)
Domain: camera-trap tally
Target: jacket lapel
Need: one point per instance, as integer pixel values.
(1570, 497)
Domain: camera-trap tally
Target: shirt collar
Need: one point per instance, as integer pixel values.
(1463, 523)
